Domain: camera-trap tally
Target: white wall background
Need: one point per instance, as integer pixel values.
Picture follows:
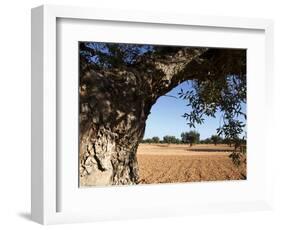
(15, 112)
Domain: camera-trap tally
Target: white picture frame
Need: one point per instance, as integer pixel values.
(45, 183)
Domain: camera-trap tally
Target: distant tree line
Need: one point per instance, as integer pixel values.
(191, 138)
(166, 139)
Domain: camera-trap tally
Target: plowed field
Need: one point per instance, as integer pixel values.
(160, 163)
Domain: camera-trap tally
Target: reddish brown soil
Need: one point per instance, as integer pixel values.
(180, 163)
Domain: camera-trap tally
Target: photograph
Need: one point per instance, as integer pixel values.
(154, 114)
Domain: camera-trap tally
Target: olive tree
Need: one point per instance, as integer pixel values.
(216, 139)
(191, 137)
(155, 139)
(118, 85)
(170, 139)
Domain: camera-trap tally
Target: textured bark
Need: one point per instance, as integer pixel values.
(113, 110)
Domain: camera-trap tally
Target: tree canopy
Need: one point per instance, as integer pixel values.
(190, 137)
(216, 139)
(170, 139)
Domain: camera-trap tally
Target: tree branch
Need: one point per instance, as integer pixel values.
(166, 95)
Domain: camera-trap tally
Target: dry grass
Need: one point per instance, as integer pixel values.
(160, 163)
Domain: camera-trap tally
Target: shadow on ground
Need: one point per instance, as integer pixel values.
(25, 215)
(208, 150)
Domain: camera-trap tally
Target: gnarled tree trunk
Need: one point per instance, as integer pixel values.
(114, 107)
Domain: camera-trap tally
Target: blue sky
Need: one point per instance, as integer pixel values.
(166, 117)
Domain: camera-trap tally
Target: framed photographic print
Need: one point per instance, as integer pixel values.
(138, 114)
